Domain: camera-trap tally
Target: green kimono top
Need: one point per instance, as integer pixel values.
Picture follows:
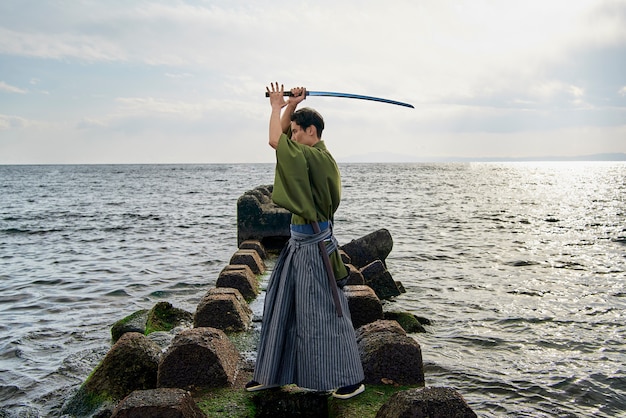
(307, 183)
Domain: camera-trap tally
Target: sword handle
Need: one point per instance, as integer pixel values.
(286, 93)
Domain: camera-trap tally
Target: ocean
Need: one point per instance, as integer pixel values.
(519, 266)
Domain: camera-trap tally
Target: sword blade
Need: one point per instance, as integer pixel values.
(350, 96)
(357, 96)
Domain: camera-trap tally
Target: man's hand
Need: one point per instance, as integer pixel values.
(277, 100)
(298, 94)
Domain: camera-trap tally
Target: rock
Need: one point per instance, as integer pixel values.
(164, 317)
(161, 403)
(440, 402)
(253, 244)
(379, 326)
(423, 321)
(203, 357)
(258, 218)
(364, 305)
(400, 287)
(354, 275)
(409, 322)
(369, 248)
(223, 308)
(387, 353)
(240, 277)
(345, 258)
(378, 278)
(131, 364)
(162, 338)
(135, 322)
(291, 402)
(249, 258)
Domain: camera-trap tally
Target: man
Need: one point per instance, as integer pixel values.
(307, 337)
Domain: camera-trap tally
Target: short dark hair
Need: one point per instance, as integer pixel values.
(306, 117)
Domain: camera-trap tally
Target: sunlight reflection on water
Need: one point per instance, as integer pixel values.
(520, 266)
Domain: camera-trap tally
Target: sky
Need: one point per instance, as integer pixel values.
(132, 81)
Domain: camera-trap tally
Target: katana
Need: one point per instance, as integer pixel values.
(348, 96)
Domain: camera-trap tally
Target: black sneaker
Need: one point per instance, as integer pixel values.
(348, 392)
(253, 386)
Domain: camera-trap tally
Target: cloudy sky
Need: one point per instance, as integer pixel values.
(132, 81)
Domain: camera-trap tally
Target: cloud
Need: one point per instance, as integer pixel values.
(11, 89)
(59, 45)
(196, 70)
(8, 122)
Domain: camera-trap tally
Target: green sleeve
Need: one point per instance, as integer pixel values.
(292, 186)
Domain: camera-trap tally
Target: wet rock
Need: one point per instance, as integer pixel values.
(409, 322)
(162, 403)
(162, 338)
(202, 357)
(249, 258)
(253, 244)
(240, 277)
(164, 317)
(223, 308)
(369, 248)
(400, 287)
(429, 402)
(135, 322)
(378, 278)
(364, 305)
(388, 354)
(379, 326)
(131, 364)
(258, 218)
(291, 402)
(354, 275)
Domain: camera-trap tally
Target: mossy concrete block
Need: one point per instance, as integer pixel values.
(164, 317)
(388, 354)
(249, 258)
(223, 308)
(365, 307)
(291, 402)
(408, 321)
(371, 247)
(240, 277)
(259, 218)
(253, 244)
(135, 322)
(378, 278)
(383, 325)
(131, 364)
(162, 403)
(428, 402)
(199, 357)
(355, 276)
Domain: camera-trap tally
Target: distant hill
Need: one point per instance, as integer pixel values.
(399, 158)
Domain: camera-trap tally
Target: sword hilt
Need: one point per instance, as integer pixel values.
(287, 93)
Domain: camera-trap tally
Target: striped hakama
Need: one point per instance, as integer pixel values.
(303, 340)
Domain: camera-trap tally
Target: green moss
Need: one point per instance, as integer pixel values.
(135, 322)
(365, 405)
(237, 403)
(164, 317)
(131, 317)
(227, 403)
(407, 321)
(85, 403)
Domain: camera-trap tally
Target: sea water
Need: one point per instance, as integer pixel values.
(519, 266)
